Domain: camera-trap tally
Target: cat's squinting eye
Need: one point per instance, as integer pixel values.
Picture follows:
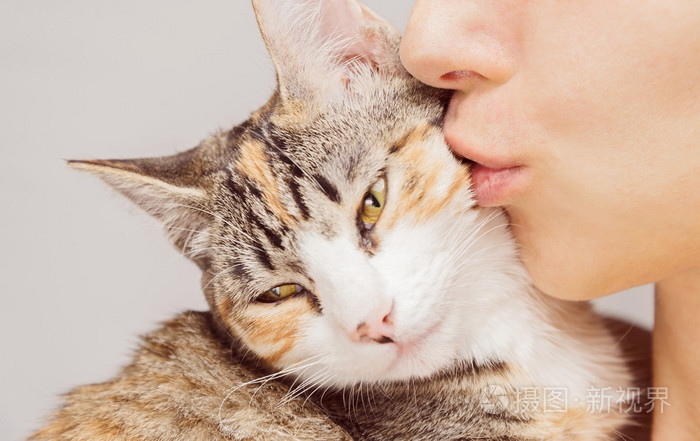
(279, 293)
(373, 203)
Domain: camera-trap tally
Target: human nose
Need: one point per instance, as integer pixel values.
(457, 44)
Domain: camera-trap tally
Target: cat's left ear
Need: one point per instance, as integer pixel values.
(169, 188)
(316, 45)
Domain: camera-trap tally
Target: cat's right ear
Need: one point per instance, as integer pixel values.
(316, 45)
(168, 188)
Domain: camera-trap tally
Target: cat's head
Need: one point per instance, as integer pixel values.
(337, 234)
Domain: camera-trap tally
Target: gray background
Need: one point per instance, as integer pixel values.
(84, 272)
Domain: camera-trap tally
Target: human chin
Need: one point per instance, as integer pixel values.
(559, 264)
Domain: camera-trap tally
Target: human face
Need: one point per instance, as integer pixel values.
(583, 119)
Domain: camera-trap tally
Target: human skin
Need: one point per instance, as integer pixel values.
(585, 119)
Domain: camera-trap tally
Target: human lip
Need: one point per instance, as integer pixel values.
(497, 186)
(495, 180)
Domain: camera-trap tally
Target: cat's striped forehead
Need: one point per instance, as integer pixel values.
(311, 174)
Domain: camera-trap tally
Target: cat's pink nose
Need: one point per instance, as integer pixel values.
(378, 328)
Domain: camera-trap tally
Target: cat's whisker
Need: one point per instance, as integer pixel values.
(330, 380)
(319, 380)
(362, 397)
(478, 257)
(477, 229)
(472, 241)
(370, 396)
(304, 364)
(284, 372)
(450, 235)
(467, 243)
(310, 382)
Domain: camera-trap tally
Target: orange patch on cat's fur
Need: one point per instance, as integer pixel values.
(416, 135)
(275, 328)
(253, 163)
(419, 199)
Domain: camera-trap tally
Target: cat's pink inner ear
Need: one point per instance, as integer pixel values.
(344, 20)
(316, 44)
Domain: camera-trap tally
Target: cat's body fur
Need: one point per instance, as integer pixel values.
(188, 382)
(275, 201)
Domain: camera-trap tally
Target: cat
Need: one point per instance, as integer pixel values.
(356, 291)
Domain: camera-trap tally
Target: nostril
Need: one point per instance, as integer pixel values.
(378, 327)
(384, 339)
(458, 75)
(376, 331)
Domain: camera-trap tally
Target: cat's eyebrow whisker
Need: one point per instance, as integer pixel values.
(200, 250)
(216, 236)
(210, 213)
(221, 273)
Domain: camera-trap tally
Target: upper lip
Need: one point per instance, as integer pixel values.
(467, 151)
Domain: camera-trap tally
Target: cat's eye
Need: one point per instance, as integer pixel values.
(279, 293)
(373, 203)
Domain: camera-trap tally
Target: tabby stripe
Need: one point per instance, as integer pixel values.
(238, 270)
(298, 198)
(315, 303)
(273, 237)
(437, 122)
(328, 189)
(233, 186)
(276, 146)
(253, 190)
(263, 257)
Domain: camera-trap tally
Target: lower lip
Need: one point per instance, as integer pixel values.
(496, 186)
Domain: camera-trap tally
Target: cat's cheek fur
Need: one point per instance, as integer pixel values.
(273, 330)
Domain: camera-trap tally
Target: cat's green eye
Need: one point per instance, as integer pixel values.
(279, 293)
(373, 203)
